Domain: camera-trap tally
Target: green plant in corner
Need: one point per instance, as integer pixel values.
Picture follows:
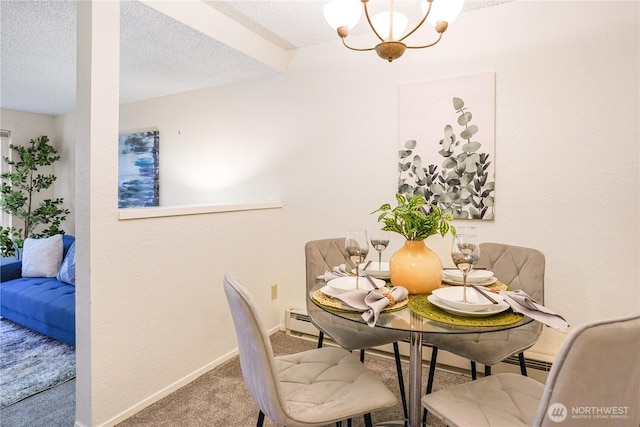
(412, 219)
(7, 235)
(18, 189)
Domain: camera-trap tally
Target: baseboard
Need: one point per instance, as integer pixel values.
(172, 387)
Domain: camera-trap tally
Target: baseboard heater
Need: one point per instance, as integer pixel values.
(540, 365)
(297, 323)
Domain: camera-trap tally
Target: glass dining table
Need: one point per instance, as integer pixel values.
(419, 329)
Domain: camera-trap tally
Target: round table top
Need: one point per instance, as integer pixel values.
(405, 319)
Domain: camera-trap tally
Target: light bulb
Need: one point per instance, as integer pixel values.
(339, 13)
(381, 22)
(442, 10)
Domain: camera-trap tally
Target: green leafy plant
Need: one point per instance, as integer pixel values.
(462, 186)
(7, 236)
(412, 220)
(18, 189)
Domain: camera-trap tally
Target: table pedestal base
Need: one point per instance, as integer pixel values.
(415, 379)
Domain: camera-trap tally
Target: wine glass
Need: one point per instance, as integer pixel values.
(379, 241)
(357, 247)
(465, 252)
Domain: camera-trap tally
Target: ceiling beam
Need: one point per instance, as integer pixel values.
(207, 20)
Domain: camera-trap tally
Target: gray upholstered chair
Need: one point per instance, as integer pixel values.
(311, 388)
(521, 268)
(321, 256)
(595, 372)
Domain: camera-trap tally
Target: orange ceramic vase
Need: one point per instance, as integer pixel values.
(416, 268)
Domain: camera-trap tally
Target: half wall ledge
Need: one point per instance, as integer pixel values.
(164, 211)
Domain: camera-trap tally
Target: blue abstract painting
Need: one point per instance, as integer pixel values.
(138, 169)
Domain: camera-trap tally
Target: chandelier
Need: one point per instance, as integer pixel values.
(389, 26)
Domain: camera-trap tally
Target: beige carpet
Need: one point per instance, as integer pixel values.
(219, 397)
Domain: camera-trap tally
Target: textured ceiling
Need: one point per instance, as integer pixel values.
(159, 55)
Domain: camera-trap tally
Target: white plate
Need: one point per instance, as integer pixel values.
(332, 292)
(375, 269)
(494, 309)
(460, 283)
(336, 293)
(474, 276)
(349, 283)
(452, 296)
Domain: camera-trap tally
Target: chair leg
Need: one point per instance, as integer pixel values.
(523, 364)
(432, 373)
(487, 370)
(260, 419)
(474, 373)
(432, 368)
(320, 339)
(367, 420)
(362, 355)
(403, 396)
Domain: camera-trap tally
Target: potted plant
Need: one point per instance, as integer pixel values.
(415, 266)
(18, 189)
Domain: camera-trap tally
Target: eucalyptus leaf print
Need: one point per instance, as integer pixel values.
(460, 185)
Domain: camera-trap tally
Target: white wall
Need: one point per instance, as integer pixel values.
(65, 186)
(25, 126)
(149, 297)
(214, 148)
(323, 139)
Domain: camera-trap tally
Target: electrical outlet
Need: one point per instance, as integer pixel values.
(274, 291)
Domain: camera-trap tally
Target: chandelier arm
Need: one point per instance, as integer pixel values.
(424, 18)
(366, 14)
(359, 49)
(426, 45)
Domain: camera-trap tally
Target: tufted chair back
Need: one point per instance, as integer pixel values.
(322, 255)
(519, 267)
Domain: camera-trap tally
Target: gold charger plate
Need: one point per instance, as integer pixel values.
(420, 305)
(323, 299)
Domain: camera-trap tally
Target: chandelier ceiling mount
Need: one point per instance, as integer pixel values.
(389, 26)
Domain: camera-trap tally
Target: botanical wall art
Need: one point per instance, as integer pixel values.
(447, 141)
(138, 169)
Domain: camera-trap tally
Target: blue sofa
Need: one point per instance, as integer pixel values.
(42, 304)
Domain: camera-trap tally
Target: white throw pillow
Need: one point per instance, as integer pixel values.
(42, 257)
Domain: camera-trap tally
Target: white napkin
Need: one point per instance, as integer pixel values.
(337, 271)
(522, 303)
(377, 302)
(371, 303)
